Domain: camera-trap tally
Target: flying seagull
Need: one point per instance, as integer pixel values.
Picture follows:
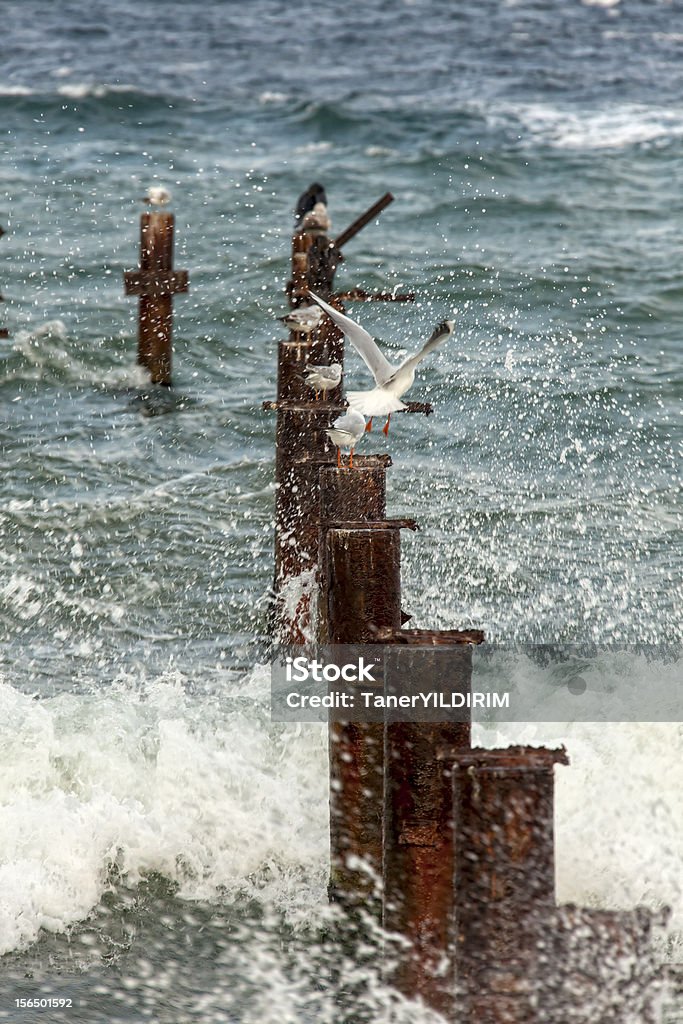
(323, 378)
(346, 432)
(391, 381)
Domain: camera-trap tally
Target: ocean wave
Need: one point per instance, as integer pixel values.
(144, 779)
(611, 127)
(48, 353)
(148, 777)
(268, 96)
(81, 90)
(106, 93)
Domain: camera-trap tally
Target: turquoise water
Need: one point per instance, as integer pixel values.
(533, 150)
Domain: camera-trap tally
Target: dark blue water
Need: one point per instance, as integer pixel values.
(534, 151)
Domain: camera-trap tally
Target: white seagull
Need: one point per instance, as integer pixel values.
(157, 196)
(346, 432)
(392, 381)
(323, 378)
(303, 319)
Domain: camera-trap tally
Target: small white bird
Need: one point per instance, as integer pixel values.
(303, 319)
(317, 219)
(346, 432)
(323, 378)
(392, 381)
(157, 196)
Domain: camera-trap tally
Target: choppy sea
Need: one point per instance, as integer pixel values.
(163, 844)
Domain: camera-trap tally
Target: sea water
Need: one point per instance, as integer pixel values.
(163, 847)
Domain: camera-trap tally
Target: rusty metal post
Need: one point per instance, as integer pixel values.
(345, 496)
(301, 443)
(504, 876)
(4, 333)
(418, 899)
(156, 283)
(363, 587)
(302, 447)
(365, 218)
(293, 358)
(356, 494)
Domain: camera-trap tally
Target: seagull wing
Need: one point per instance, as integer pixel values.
(364, 344)
(439, 335)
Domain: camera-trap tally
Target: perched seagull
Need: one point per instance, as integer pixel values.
(323, 378)
(304, 319)
(392, 381)
(317, 219)
(315, 193)
(346, 432)
(157, 196)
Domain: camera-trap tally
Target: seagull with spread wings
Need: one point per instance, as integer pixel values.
(392, 382)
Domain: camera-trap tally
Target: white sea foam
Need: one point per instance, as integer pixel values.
(148, 779)
(46, 350)
(80, 90)
(273, 97)
(610, 127)
(16, 90)
(70, 90)
(314, 147)
(206, 791)
(44, 345)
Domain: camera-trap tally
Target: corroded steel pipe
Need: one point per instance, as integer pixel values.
(293, 358)
(358, 494)
(156, 283)
(302, 446)
(364, 583)
(365, 218)
(363, 587)
(418, 816)
(504, 876)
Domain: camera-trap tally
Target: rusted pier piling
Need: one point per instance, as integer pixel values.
(391, 818)
(363, 589)
(4, 333)
(391, 837)
(303, 449)
(156, 282)
(345, 497)
(452, 848)
(418, 840)
(504, 876)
